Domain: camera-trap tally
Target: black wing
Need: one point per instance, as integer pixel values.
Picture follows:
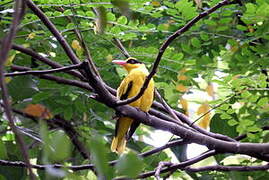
(123, 96)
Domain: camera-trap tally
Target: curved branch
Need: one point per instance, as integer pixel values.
(180, 165)
(167, 43)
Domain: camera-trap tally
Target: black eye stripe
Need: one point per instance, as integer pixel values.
(133, 61)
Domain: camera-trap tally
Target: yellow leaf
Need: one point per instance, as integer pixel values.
(10, 60)
(250, 28)
(182, 71)
(182, 77)
(38, 110)
(205, 121)
(184, 104)
(210, 89)
(155, 3)
(181, 88)
(203, 109)
(109, 58)
(7, 80)
(75, 45)
(31, 35)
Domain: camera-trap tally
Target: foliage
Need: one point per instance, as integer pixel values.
(220, 63)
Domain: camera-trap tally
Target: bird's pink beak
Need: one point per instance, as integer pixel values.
(119, 62)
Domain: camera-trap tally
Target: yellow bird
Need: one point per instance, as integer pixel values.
(129, 87)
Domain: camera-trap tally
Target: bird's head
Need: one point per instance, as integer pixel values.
(129, 64)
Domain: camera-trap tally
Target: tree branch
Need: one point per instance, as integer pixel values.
(111, 90)
(19, 9)
(166, 44)
(40, 72)
(57, 79)
(165, 107)
(88, 166)
(161, 165)
(45, 60)
(228, 168)
(187, 120)
(121, 47)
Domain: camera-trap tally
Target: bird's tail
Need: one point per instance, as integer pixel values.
(119, 141)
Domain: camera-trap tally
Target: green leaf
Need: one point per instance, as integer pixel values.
(99, 158)
(221, 126)
(68, 112)
(129, 165)
(122, 20)
(60, 147)
(246, 94)
(3, 151)
(111, 17)
(21, 87)
(196, 42)
(232, 122)
(263, 101)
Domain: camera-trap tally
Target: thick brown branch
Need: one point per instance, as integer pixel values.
(211, 143)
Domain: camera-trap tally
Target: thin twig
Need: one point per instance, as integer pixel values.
(90, 166)
(45, 60)
(215, 107)
(57, 79)
(121, 47)
(180, 165)
(188, 121)
(160, 166)
(40, 72)
(167, 43)
(5, 48)
(167, 107)
(79, 35)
